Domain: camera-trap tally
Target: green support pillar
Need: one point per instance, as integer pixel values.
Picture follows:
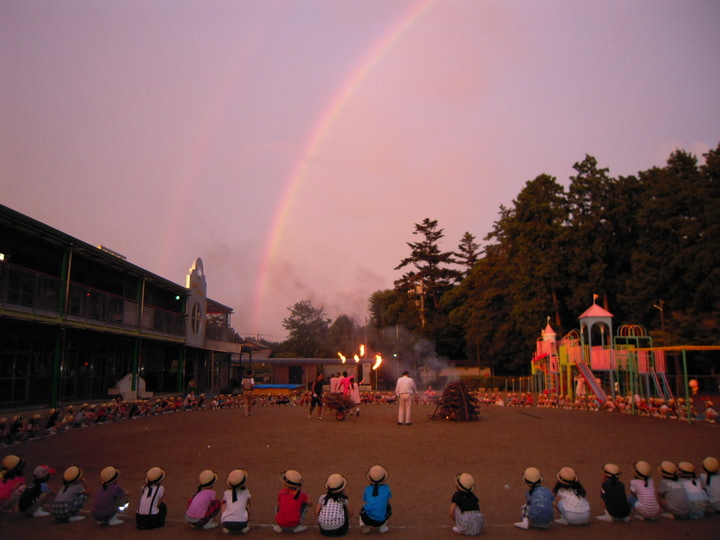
(57, 363)
(632, 371)
(688, 403)
(181, 370)
(136, 362)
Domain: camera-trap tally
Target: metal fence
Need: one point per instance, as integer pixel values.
(41, 295)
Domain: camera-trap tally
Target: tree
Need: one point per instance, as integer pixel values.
(308, 328)
(342, 335)
(432, 275)
(392, 307)
(588, 235)
(489, 328)
(519, 281)
(676, 259)
(467, 253)
(532, 233)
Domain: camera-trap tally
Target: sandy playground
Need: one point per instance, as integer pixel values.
(422, 459)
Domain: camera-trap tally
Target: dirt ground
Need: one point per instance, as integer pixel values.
(422, 460)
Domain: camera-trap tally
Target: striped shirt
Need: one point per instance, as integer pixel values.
(646, 504)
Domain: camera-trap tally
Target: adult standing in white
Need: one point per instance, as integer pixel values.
(405, 389)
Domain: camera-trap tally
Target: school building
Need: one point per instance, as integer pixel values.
(81, 322)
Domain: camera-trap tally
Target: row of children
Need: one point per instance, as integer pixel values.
(68, 501)
(655, 407)
(18, 429)
(680, 494)
(700, 408)
(333, 511)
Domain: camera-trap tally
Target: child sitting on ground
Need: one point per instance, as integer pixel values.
(12, 483)
(613, 495)
(670, 493)
(71, 498)
(642, 490)
(571, 498)
(33, 498)
(237, 503)
(204, 505)
(710, 482)
(333, 510)
(538, 508)
(465, 508)
(151, 507)
(376, 508)
(111, 499)
(292, 504)
(695, 493)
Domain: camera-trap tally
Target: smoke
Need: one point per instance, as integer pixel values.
(415, 354)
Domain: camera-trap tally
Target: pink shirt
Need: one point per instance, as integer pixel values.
(200, 503)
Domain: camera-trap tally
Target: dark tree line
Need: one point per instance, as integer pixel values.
(648, 246)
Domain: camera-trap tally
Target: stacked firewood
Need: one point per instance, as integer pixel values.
(457, 403)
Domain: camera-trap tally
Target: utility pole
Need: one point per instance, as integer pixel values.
(661, 306)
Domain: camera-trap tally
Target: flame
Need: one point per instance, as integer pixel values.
(356, 358)
(378, 361)
(341, 357)
(362, 350)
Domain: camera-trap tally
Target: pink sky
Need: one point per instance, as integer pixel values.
(293, 145)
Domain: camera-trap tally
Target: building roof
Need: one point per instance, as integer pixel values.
(595, 311)
(100, 253)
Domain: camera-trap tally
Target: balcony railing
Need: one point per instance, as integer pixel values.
(41, 295)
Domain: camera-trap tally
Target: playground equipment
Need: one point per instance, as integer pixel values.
(599, 364)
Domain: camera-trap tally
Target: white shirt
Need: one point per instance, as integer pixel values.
(405, 385)
(149, 505)
(236, 511)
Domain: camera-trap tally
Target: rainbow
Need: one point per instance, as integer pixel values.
(212, 118)
(315, 141)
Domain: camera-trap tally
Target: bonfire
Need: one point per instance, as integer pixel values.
(456, 403)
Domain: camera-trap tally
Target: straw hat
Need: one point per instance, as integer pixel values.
(668, 470)
(686, 469)
(11, 462)
(611, 470)
(72, 474)
(643, 469)
(335, 483)
(236, 478)
(532, 475)
(710, 464)
(207, 478)
(377, 474)
(465, 482)
(154, 475)
(292, 478)
(41, 471)
(566, 475)
(109, 475)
